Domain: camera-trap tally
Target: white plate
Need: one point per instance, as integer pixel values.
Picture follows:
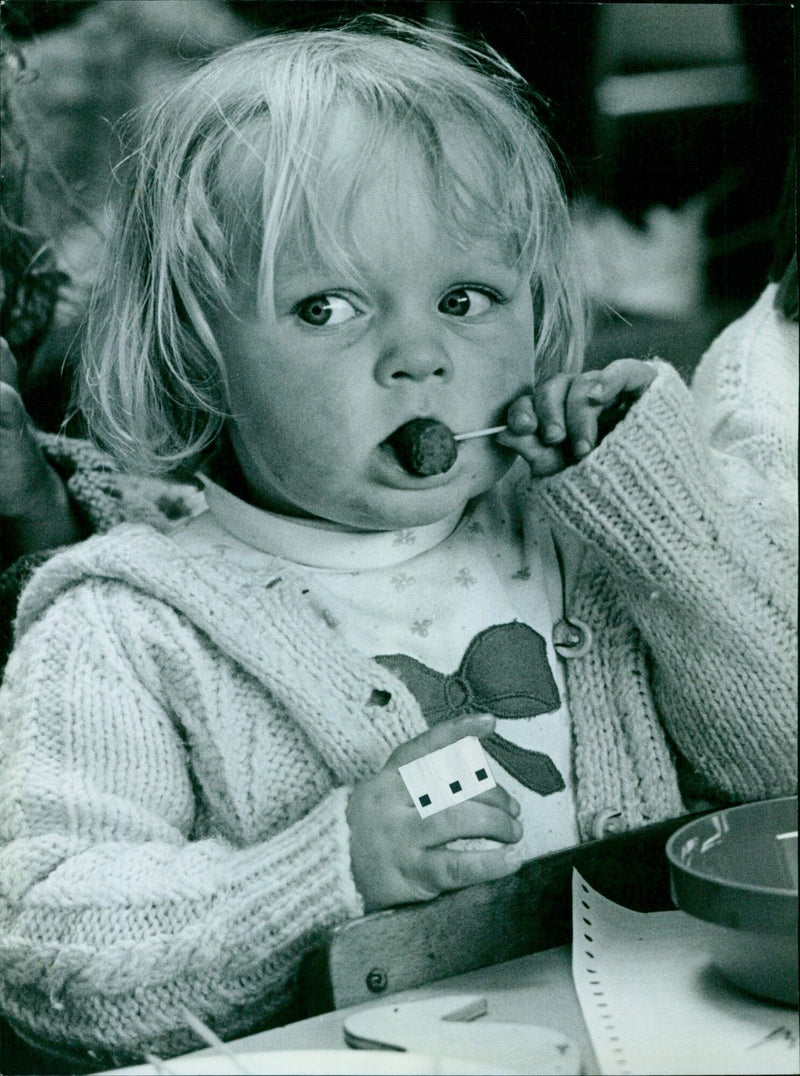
(320, 1063)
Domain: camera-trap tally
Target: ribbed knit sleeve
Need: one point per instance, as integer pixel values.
(104, 496)
(91, 477)
(708, 578)
(118, 901)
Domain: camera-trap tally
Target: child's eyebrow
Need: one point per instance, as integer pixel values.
(303, 270)
(305, 281)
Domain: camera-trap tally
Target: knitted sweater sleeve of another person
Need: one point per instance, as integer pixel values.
(746, 393)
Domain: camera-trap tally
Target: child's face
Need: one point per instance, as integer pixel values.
(439, 331)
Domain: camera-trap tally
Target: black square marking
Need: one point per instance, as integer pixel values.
(455, 786)
(425, 801)
(482, 775)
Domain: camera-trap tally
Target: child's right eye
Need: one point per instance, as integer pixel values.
(326, 310)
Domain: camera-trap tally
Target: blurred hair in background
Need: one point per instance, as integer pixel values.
(675, 124)
(71, 70)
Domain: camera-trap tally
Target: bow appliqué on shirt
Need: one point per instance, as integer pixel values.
(504, 672)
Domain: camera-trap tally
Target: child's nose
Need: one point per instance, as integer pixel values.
(413, 359)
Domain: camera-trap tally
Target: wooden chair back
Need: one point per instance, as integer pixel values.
(379, 954)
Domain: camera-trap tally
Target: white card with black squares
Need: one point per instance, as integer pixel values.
(448, 776)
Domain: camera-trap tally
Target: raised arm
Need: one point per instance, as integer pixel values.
(708, 578)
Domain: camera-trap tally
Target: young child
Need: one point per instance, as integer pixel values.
(331, 235)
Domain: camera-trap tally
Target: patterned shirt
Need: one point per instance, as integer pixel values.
(431, 594)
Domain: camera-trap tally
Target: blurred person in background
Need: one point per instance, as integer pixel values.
(36, 509)
(746, 396)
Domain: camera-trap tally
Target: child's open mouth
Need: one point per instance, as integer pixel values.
(424, 447)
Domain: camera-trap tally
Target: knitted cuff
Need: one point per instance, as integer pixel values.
(646, 487)
(91, 478)
(103, 496)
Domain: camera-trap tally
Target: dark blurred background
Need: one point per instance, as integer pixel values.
(675, 124)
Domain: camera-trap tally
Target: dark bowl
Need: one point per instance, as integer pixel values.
(736, 869)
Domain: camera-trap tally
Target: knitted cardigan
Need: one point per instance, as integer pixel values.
(179, 735)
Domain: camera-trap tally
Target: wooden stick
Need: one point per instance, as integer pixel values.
(211, 1039)
(479, 433)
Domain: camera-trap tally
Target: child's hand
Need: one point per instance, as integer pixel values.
(32, 495)
(399, 857)
(571, 414)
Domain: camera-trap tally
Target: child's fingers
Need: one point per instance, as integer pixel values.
(550, 406)
(499, 797)
(598, 399)
(521, 417)
(615, 389)
(622, 376)
(525, 431)
(582, 410)
(445, 869)
(441, 735)
(543, 459)
(470, 819)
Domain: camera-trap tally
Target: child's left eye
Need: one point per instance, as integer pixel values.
(326, 310)
(466, 303)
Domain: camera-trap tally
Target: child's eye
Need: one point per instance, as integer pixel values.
(466, 303)
(326, 310)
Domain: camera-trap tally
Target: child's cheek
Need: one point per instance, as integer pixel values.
(513, 374)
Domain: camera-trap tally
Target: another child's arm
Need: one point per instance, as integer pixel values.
(398, 856)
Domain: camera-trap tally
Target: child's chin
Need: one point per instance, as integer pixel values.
(424, 507)
(416, 502)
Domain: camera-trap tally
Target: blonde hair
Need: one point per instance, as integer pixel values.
(234, 153)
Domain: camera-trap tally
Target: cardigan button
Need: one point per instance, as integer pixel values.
(605, 823)
(572, 638)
